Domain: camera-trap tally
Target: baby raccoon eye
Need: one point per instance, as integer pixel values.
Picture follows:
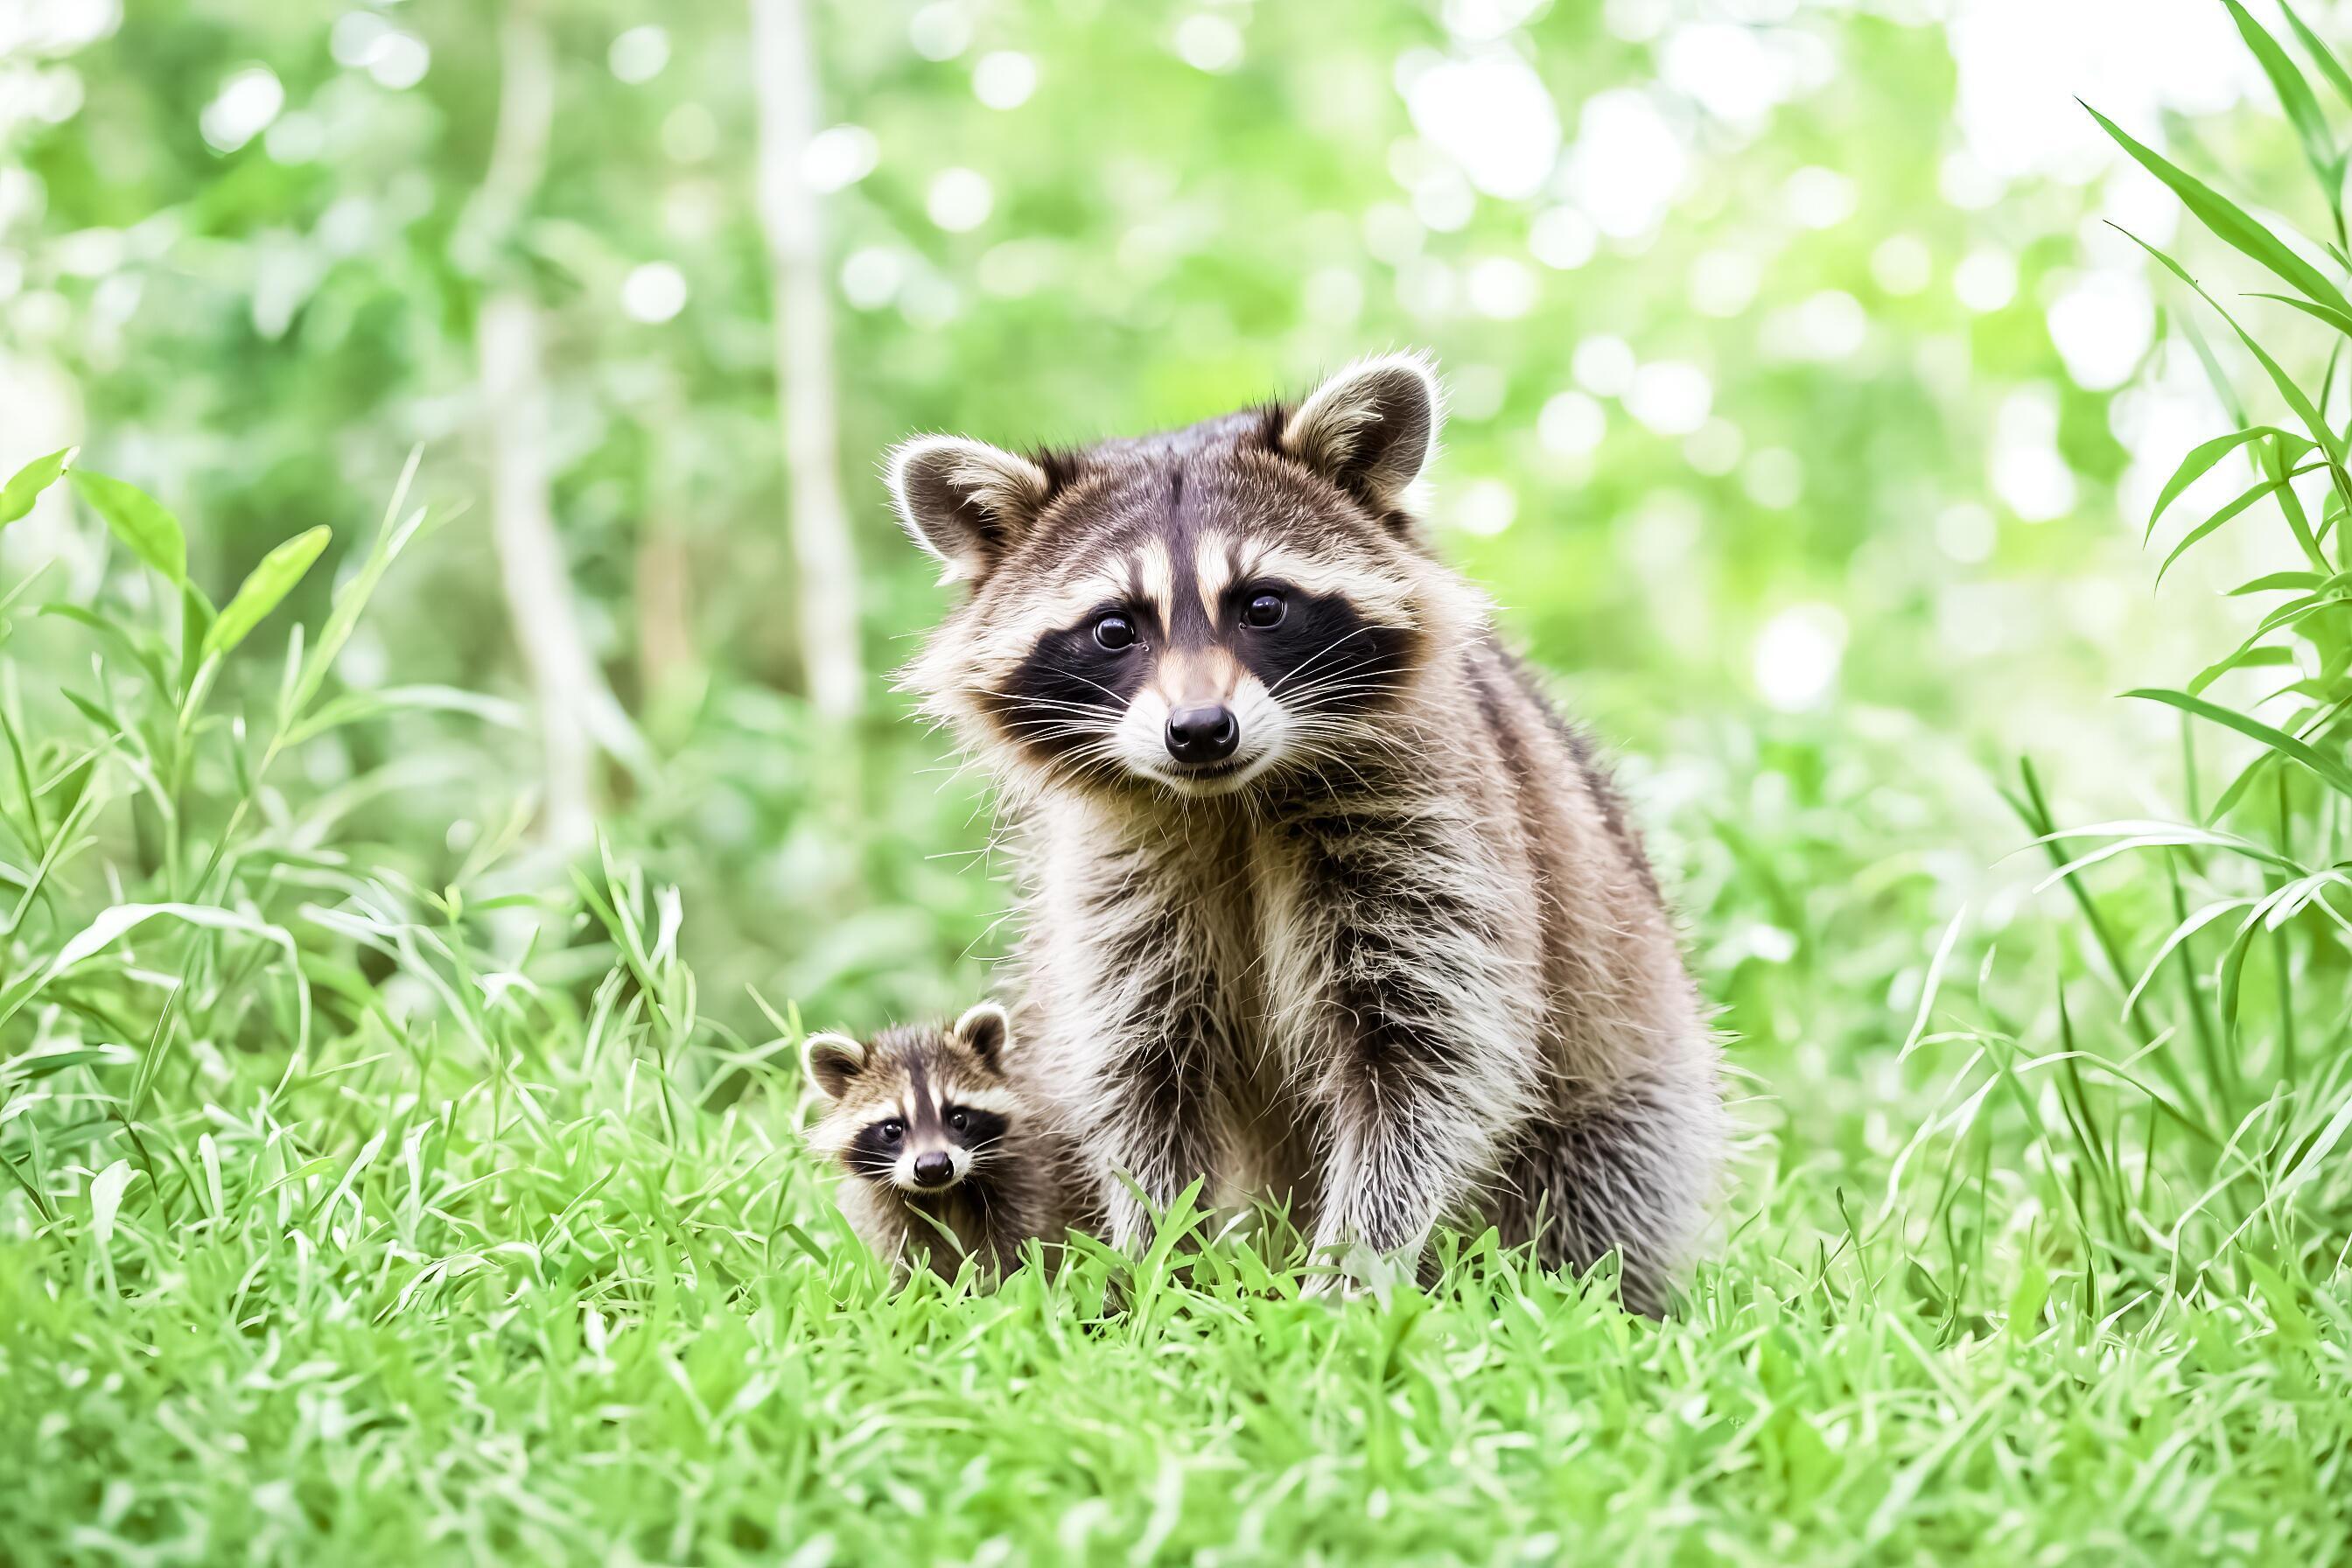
(893, 1130)
(1113, 633)
(959, 1121)
(1265, 610)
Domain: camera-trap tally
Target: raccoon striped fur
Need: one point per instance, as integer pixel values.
(1321, 899)
(941, 1156)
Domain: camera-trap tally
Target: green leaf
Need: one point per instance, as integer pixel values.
(2228, 221)
(2321, 432)
(2200, 460)
(2327, 313)
(265, 589)
(2260, 654)
(2321, 54)
(138, 520)
(2331, 769)
(2280, 581)
(16, 499)
(2247, 499)
(2295, 96)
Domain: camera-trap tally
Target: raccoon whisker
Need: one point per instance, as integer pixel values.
(1309, 662)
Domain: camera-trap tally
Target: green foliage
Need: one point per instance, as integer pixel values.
(379, 1185)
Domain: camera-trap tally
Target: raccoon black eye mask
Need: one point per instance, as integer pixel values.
(1322, 899)
(941, 1156)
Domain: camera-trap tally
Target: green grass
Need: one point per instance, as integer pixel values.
(377, 1192)
(387, 1308)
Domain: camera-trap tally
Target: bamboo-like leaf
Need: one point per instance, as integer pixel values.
(2230, 222)
(265, 589)
(2245, 500)
(2200, 460)
(2331, 769)
(2321, 54)
(2260, 656)
(2281, 582)
(2295, 96)
(2328, 314)
(2321, 432)
(17, 498)
(140, 521)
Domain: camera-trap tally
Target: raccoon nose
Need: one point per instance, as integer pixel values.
(1202, 735)
(933, 1168)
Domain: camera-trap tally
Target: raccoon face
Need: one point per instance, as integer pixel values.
(1185, 614)
(919, 1110)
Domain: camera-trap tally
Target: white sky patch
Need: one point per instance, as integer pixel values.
(939, 31)
(1482, 21)
(1563, 239)
(1627, 164)
(1732, 72)
(2022, 63)
(1774, 477)
(1334, 294)
(1902, 263)
(2103, 322)
(1602, 364)
(839, 156)
(1714, 448)
(1500, 288)
(638, 55)
(1208, 43)
(248, 101)
(653, 293)
(1823, 327)
(1671, 397)
(1573, 424)
(1986, 279)
(1490, 113)
(1797, 655)
(1724, 282)
(1967, 532)
(1476, 391)
(1818, 197)
(960, 200)
(2028, 473)
(1484, 507)
(2170, 409)
(399, 61)
(1004, 78)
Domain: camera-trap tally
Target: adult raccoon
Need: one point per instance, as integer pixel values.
(1321, 898)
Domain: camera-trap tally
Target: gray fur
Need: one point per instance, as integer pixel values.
(1408, 963)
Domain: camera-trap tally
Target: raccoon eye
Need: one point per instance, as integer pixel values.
(1265, 610)
(1113, 633)
(893, 1130)
(959, 1121)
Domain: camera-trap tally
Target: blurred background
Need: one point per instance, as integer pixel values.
(1806, 409)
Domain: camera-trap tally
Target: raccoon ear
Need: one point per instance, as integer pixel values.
(965, 501)
(831, 1061)
(1372, 428)
(985, 1031)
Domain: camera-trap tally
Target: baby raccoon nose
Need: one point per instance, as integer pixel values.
(1206, 734)
(933, 1168)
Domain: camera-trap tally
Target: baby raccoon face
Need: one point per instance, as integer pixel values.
(916, 1109)
(1184, 613)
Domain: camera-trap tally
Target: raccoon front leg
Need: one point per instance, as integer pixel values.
(1427, 1062)
(1152, 1118)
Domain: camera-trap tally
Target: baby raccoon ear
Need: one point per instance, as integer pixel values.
(965, 501)
(985, 1031)
(831, 1061)
(1372, 428)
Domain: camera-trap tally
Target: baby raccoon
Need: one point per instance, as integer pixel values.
(941, 1156)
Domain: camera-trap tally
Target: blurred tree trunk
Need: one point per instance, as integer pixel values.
(576, 709)
(784, 82)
